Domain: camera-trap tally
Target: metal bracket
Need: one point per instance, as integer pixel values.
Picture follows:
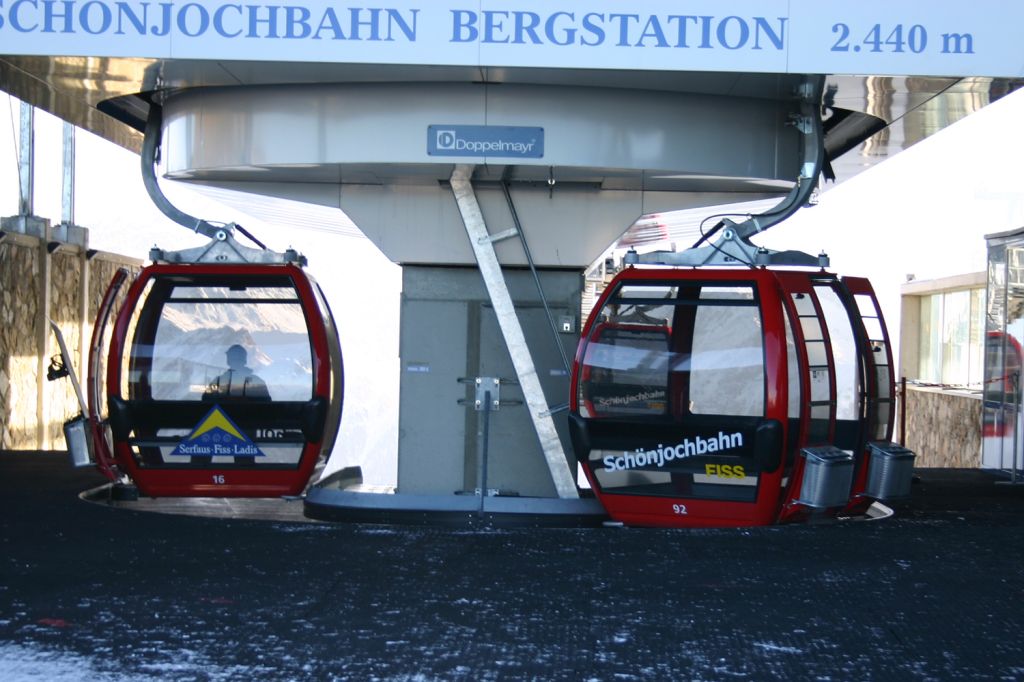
(555, 410)
(805, 124)
(807, 119)
(730, 248)
(498, 236)
(485, 385)
(223, 248)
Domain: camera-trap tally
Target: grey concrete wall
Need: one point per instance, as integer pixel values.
(65, 286)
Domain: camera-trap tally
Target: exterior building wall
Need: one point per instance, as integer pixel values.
(37, 286)
(19, 306)
(943, 427)
(59, 397)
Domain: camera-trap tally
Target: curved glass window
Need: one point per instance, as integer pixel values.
(712, 363)
(689, 356)
(227, 342)
(237, 344)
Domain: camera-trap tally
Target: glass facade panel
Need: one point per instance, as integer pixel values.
(865, 306)
(1002, 361)
(928, 364)
(951, 351)
(873, 328)
(884, 411)
(956, 320)
(884, 377)
(977, 336)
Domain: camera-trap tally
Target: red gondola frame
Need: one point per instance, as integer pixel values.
(778, 491)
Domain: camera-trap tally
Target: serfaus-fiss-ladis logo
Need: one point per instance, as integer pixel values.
(689, 447)
(217, 436)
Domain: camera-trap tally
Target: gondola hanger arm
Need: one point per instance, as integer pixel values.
(733, 245)
(150, 157)
(222, 247)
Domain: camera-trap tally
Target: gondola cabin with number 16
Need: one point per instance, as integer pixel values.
(223, 375)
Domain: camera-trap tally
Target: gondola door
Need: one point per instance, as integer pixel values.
(877, 352)
(681, 395)
(878, 381)
(221, 379)
(97, 404)
(816, 376)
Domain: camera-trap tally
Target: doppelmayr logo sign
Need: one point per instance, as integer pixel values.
(506, 141)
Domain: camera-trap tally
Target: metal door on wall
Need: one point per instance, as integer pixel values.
(450, 336)
(430, 440)
(515, 461)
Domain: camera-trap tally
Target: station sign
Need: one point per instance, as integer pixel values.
(880, 37)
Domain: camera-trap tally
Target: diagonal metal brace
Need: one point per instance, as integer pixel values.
(512, 332)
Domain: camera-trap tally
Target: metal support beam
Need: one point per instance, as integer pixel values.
(67, 202)
(26, 159)
(511, 330)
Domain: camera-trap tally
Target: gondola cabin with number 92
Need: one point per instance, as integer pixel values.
(735, 397)
(223, 375)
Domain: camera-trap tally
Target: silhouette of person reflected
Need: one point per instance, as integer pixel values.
(238, 382)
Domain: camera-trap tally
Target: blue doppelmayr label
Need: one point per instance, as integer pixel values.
(507, 141)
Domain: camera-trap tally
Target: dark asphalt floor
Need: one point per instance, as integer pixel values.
(95, 593)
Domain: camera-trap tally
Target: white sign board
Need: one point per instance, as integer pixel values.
(893, 37)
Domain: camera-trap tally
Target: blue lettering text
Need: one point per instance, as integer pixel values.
(464, 28)
(106, 17)
(49, 15)
(296, 21)
(218, 21)
(16, 18)
(197, 27)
